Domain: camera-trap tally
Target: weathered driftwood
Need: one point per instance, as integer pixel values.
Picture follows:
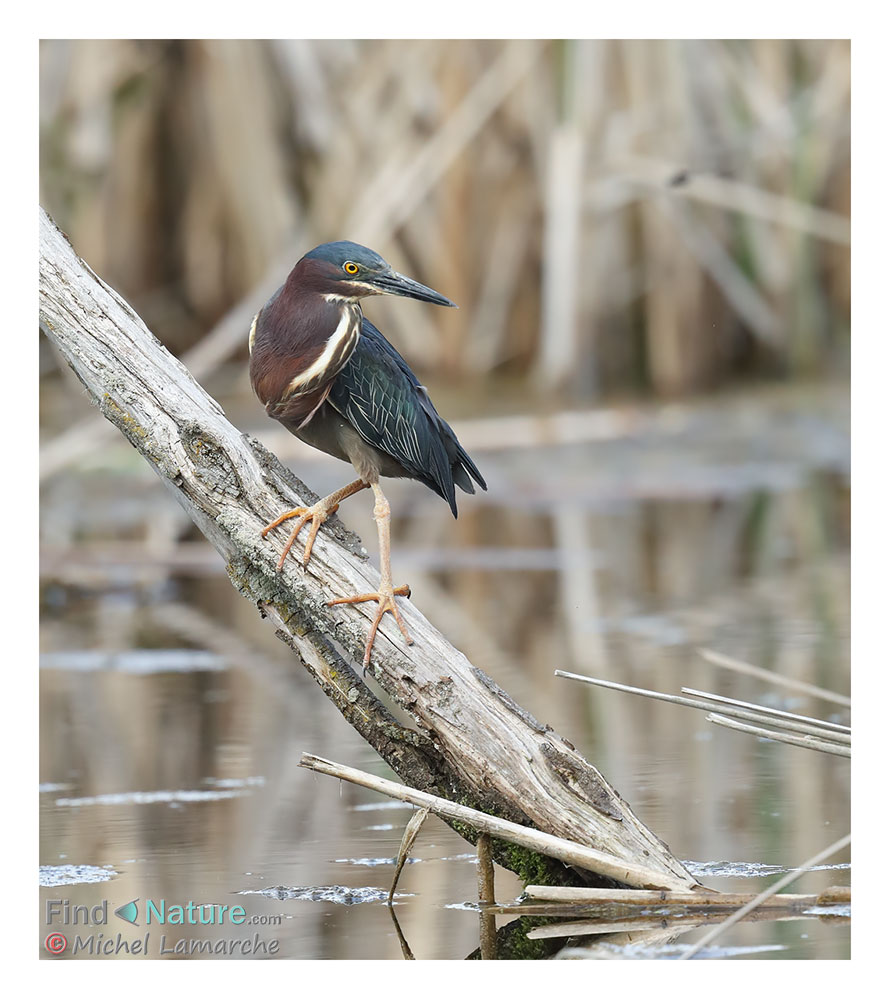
(473, 743)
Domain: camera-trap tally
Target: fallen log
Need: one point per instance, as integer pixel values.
(473, 743)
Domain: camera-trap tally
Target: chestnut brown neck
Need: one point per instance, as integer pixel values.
(301, 340)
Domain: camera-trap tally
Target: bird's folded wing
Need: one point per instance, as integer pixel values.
(382, 398)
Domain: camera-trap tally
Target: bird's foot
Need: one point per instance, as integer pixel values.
(318, 514)
(386, 601)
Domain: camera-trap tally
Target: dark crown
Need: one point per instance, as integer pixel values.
(339, 252)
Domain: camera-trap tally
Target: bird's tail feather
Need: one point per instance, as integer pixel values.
(462, 465)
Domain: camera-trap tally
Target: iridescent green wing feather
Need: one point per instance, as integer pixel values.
(389, 408)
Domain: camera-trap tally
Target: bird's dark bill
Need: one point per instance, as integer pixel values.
(397, 284)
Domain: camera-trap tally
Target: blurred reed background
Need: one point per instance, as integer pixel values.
(662, 216)
(649, 242)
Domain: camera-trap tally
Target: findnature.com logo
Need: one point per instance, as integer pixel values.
(60, 912)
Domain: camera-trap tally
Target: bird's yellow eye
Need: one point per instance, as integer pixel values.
(350, 267)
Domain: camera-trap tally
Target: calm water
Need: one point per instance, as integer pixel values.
(615, 549)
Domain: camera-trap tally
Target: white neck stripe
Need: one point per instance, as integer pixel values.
(347, 328)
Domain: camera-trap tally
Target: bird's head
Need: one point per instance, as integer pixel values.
(348, 271)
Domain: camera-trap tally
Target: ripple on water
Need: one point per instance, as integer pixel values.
(374, 861)
(744, 869)
(150, 797)
(631, 952)
(339, 894)
(74, 874)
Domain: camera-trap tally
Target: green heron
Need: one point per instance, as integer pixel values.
(332, 378)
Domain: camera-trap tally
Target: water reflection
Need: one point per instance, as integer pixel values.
(172, 720)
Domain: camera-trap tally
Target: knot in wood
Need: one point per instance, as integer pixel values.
(443, 690)
(581, 779)
(211, 463)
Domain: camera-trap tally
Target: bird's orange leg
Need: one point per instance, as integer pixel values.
(386, 596)
(318, 514)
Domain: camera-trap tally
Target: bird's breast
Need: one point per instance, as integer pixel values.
(333, 354)
(296, 353)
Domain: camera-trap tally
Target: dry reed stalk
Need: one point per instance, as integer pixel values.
(389, 200)
(738, 289)
(733, 195)
(804, 741)
(738, 666)
(238, 122)
(840, 733)
(675, 345)
(825, 731)
(562, 202)
(487, 341)
(487, 923)
(405, 847)
(616, 896)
